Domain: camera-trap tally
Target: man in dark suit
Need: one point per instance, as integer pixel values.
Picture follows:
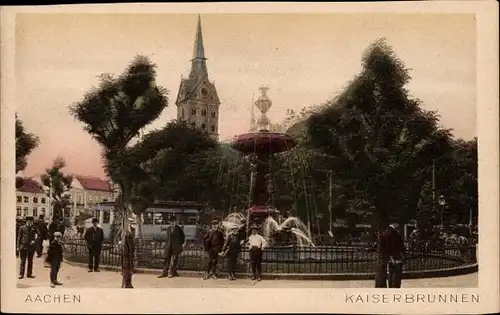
(42, 228)
(213, 241)
(94, 236)
(392, 249)
(26, 240)
(175, 242)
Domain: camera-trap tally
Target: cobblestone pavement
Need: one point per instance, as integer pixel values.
(78, 277)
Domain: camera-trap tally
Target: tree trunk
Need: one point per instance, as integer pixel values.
(127, 260)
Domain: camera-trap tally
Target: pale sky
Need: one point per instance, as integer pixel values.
(305, 59)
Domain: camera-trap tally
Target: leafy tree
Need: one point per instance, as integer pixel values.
(25, 144)
(113, 114)
(384, 142)
(57, 184)
(168, 157)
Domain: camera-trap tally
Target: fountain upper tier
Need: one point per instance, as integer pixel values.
(263, 142)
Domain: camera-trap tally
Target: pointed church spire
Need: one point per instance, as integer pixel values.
(199, 50)
(198, 63)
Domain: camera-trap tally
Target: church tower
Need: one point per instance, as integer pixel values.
(197, 101)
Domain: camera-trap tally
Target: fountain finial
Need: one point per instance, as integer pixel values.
(264, 103)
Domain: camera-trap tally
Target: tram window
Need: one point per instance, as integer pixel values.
(106, 217)
(190, 219)
(147, 218)
(161, 218)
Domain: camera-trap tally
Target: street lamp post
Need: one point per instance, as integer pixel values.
(442, 205)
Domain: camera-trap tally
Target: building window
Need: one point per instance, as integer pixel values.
(193, 124)
(35, 199)
(213, 114)
(212, 128)
(43, 211)
(193, 111)
(203, 112)
(26, 199)
(182, 112)
(203, 126)
(80, 198)
(19, 199)
(25, 211)
(90, 198)
(18, 212)
(44, 200)
(35, 212)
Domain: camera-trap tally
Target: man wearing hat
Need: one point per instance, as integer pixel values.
(390, 264)
(175, 241)
(213, 241)
(55, 258)
(256, 243)
(26, 240)
(231, 250)
(94, 236)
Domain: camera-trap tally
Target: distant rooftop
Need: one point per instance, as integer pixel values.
(31, 186)
(93, 183)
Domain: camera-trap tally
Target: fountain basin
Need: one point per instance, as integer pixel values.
(263, 142)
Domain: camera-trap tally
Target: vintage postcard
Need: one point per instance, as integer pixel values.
(250, 158)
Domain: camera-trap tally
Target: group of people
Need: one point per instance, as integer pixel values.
(30, 238)
(215, 244)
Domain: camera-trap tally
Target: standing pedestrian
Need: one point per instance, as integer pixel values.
(390, 266)
(231, 250)
(256, 243)
(128, 253)
(213, 241)
(94, 236)
(55, 258)
(173, 249)
(42, 228)
(55, 226)
(26, 239)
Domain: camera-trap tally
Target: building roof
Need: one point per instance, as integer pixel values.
(31, 186)
(94, 183)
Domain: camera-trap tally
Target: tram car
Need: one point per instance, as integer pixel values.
(155, 219)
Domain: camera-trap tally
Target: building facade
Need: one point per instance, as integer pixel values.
(197, 100)
(86, 192)
(31, 200)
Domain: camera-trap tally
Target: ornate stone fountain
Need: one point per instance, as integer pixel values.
(258, 147)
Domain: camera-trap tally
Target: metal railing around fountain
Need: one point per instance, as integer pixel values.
(331, 259)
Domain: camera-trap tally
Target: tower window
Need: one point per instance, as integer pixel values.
(212, 128)
(193, 111)
(182, 112)
(203, 112)
(213, 114)
(204, 92)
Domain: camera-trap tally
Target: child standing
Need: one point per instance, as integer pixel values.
(54, 258)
